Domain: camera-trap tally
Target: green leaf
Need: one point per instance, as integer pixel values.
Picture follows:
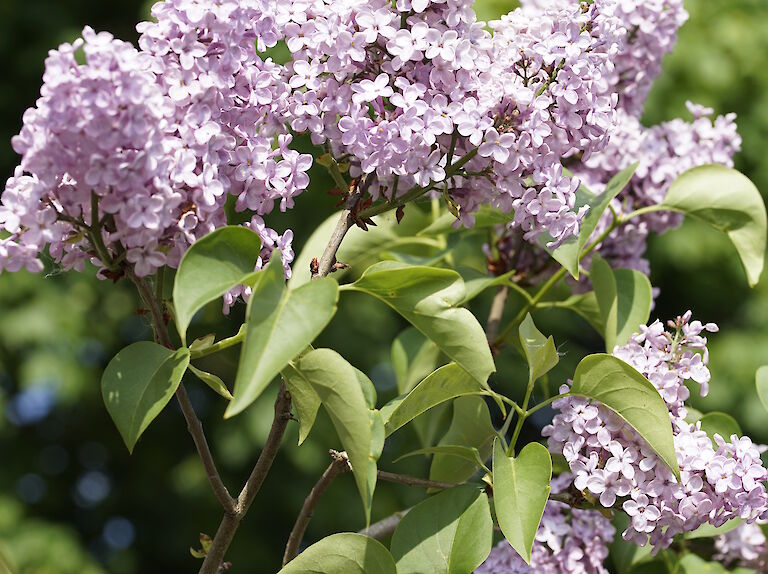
(212, 266)
(137, 384)
(569, 252)
(413, 358)
(585, 305)
(761, 383)
(446, 383)
(721, 423)
(449, 533)
(361, 433)
(728, 201)
(710, 531)
(429, 299)
(360, 246)
(520, 493)
(212, 381)
(693, 564)
(304, 398)
(368, 388)
(612, 382)
(471, 426)
(469, 454)
(624, 297)
(345, 553)
(540, 351)
(475, 282)
(281, 324)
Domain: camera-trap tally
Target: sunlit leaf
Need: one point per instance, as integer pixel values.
(728, 201)
(413, 358)
(761, 383)
(720, 423)
(540, 351)
(213, 381)
(446, 383)
(520, 493)
(449, 533)
(137, 384)
(281, 324)
(213, 265)
(609, 380)
(304, 398)
(429, 299)
(345, 553)
(360, 431)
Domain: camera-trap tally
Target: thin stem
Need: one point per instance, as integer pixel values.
(417, 192)
(412, 480)
(339, 465)
(497, 310)
(221, 345)
(553, 281)
(231, 521)
(643, 211)
(543, 404)
(521, 418)
(346, 220)
(384, 527)
(194, 425)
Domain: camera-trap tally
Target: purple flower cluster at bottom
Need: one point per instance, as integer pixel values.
(612, 462)
(744, 546)
(569, 541)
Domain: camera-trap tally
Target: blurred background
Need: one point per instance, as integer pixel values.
(73, 500)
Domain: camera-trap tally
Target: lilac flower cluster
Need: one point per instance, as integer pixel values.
(135, 151)
(569, 541)
(664, 152)
(744, 546)
(610, 461)
(419, 94)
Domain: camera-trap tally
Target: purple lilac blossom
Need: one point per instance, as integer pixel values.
(403, 92)
(610, 460)
(569, 541)
(744, 546)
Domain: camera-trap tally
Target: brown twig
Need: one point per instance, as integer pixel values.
(412, 480)
(194, 425)
(385, 526)
(346, 221)
(231, 520)
(339, 465)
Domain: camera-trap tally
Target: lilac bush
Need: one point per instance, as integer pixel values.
(524, 130)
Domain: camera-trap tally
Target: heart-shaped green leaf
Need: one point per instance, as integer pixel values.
(449, 533)
(360, 430)
(728, 201)
(281, 324)
(612, 382)
(213, 265)
(345, 553)
(429, 299)
(520, 493)
(137, 384)
(446, 383)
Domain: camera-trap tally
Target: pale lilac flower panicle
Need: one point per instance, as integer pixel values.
(405, 92)
(568, 541)
(611, 462)
(744, 546)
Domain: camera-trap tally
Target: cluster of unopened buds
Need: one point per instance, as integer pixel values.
(719, 480)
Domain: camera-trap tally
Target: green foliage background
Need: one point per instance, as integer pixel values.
(65, 476)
